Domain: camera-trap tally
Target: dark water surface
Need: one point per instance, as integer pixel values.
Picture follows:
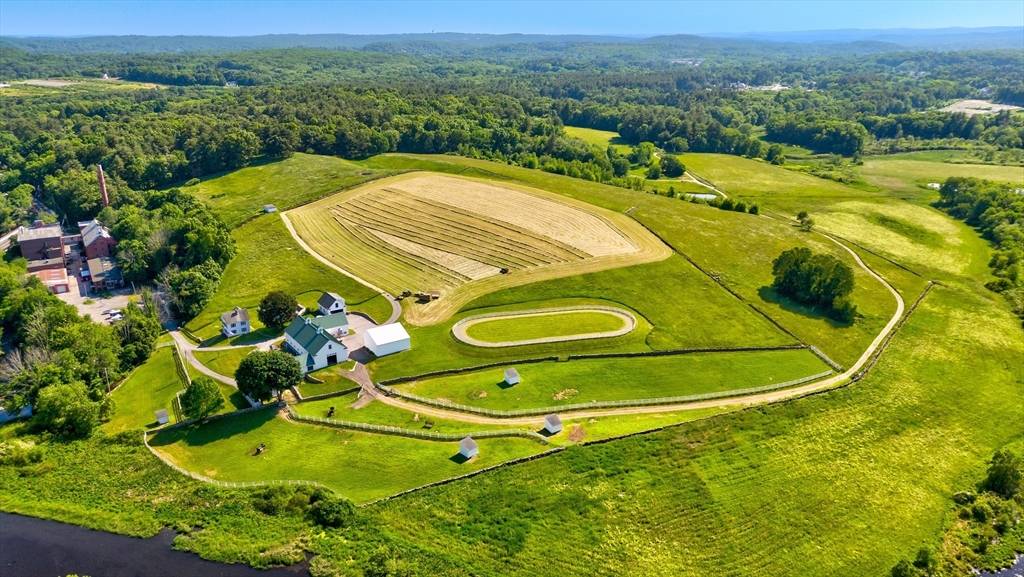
(1015, 570)
(31, 547)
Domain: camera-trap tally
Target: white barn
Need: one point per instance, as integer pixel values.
(468, 448)
(553, 424)
(387, 339)
(330, 303)
(314, 347)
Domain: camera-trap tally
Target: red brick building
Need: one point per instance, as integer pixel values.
(41, 242)
(96, 239)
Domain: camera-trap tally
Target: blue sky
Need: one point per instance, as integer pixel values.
(236, 18)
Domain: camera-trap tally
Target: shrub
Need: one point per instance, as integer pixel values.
(19, 454)
(332, 512)
(67, 410)
(1004, 474)
(753, 209)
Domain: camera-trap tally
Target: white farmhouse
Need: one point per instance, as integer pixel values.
(235, 322)
(386, 339)
(468, 448)
(330, 303)
(314, 347)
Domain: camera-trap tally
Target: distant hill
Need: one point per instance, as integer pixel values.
(989, 38)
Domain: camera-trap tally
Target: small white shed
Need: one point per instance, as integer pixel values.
(468, 448)
(553, 424)
(161, 417)
(511, 376)
(386, 339)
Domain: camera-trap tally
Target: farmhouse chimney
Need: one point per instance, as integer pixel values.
(103, 184)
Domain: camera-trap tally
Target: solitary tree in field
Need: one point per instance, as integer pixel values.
(201, 398)
(671, 166)
(277, 309)
(261, 375)
(805, 221)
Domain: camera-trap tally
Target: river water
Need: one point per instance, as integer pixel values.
(1015, 570)
(31, 547)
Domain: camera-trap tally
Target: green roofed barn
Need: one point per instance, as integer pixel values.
(314, 346)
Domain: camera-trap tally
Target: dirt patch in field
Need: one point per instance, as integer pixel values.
(565, 394)
(577, 433)
(971, 107)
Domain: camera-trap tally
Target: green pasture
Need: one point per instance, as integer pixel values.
(910, 173)
(333, 380)
(553, 383)
(268, 259)
(147, 389)
(359, 466)
(805, 487)
(556, 324)
(299, 179)
(224, 361)
(599, 138)
(762, 181)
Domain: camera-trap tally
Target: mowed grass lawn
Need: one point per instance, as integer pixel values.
(149, 388)
(377, 413)
(552, 383)
(359, 466)
(268, 259)
(224, 361)
(294, 181)
(554, 324)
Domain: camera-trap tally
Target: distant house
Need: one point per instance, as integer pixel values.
(56, 280)
(330, 303)
(336, 324)
(235, 322)
(468, 448)
(313, 346)
(553, 424)
(104, 274)
(511, 376)
(46, 264)
(41, 242)
(386, 339)
(96, 239)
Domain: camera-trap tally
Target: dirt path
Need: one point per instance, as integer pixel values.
(396, 307)
(690, 177)
(461, 328)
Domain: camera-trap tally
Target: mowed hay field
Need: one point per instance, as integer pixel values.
(431, 232)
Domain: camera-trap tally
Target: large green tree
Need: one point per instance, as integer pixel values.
(263, 374)
(67, 410)
(201, 398)
(277, 309)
